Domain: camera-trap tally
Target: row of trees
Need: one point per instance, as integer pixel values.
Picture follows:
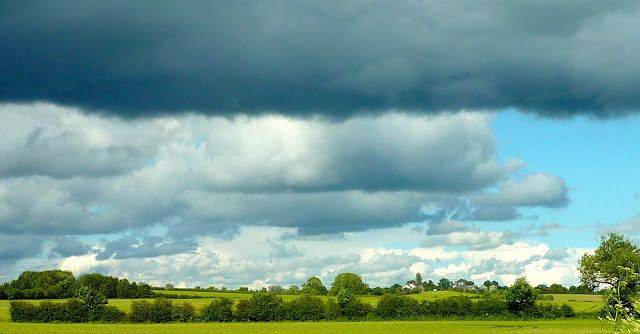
(57, 284)
(519, 302)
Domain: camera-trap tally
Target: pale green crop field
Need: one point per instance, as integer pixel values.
(575, 326)
(431, 295)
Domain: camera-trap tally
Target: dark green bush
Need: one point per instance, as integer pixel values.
(111, 314)
(73, 310)
(21, 311)
(241, 312)
(520, 296)
(140, 311)
(396, 307)
(567, 311)
(305, 308)
(331, 309)
(184, 312)
(490, 307)
(265, 306)
(161, 310)
(76, 311)
(220, 310)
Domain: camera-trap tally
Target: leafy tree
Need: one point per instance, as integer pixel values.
(219, 310)
(419, 279)
(350, 282)
(520, 296)
(314, 287)
(94, 302)
(42, 284)
(350, 306)
(429, 285)
(444, 284)
(275, 289)
(293, 290)
(305, 308)
(614, 265)
(264, 306)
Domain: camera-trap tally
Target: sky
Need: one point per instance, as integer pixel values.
(176, 143)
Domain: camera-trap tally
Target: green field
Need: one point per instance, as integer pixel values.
(404, 327)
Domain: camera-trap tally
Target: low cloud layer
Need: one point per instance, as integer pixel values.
(124, 197)
(207, 176)
(336, 59)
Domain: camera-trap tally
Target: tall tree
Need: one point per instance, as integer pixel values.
(615, 265)
(314, 287)
(350, 282)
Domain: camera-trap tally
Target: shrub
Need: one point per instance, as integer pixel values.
(305, 308)
(140, 311)
(351, 307)
(242, 310)
(331, 309)
(75, 311)
(183, 312)
(520, 296)
(491, 306)
(22, 311)
(161, 310)
(111, 314)
(220, 310)
(567, 311)
(396, 307)
(264, 306)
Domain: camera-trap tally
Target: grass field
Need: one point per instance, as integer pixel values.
(406, 327)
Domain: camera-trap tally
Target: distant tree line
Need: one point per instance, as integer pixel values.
(58, 284)
(520, 301)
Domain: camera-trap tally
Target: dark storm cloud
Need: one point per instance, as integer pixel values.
(67, 246)
(331, 57)
(13, 247)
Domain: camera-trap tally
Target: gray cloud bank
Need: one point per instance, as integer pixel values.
(200, 175)
(331, 58)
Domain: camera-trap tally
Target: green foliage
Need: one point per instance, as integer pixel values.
(397, 307)
(112, 287)
(314, 286)
(161, 310)
(48, 284)
(305, 308)
(615, 265)
(444, 284)
(350, 282)
(351, 307)
(219, 310)
(241, 313)
(520, 296)
(183, 312)
(264, 306)
(331, 309)
(72, 310)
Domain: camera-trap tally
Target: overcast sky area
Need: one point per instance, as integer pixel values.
(257, 143)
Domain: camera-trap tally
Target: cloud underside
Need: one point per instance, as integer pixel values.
(335, 59)
(64, 172)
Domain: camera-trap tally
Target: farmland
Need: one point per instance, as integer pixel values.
(575, 326)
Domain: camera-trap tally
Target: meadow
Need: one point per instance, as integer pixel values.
(574, 326)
